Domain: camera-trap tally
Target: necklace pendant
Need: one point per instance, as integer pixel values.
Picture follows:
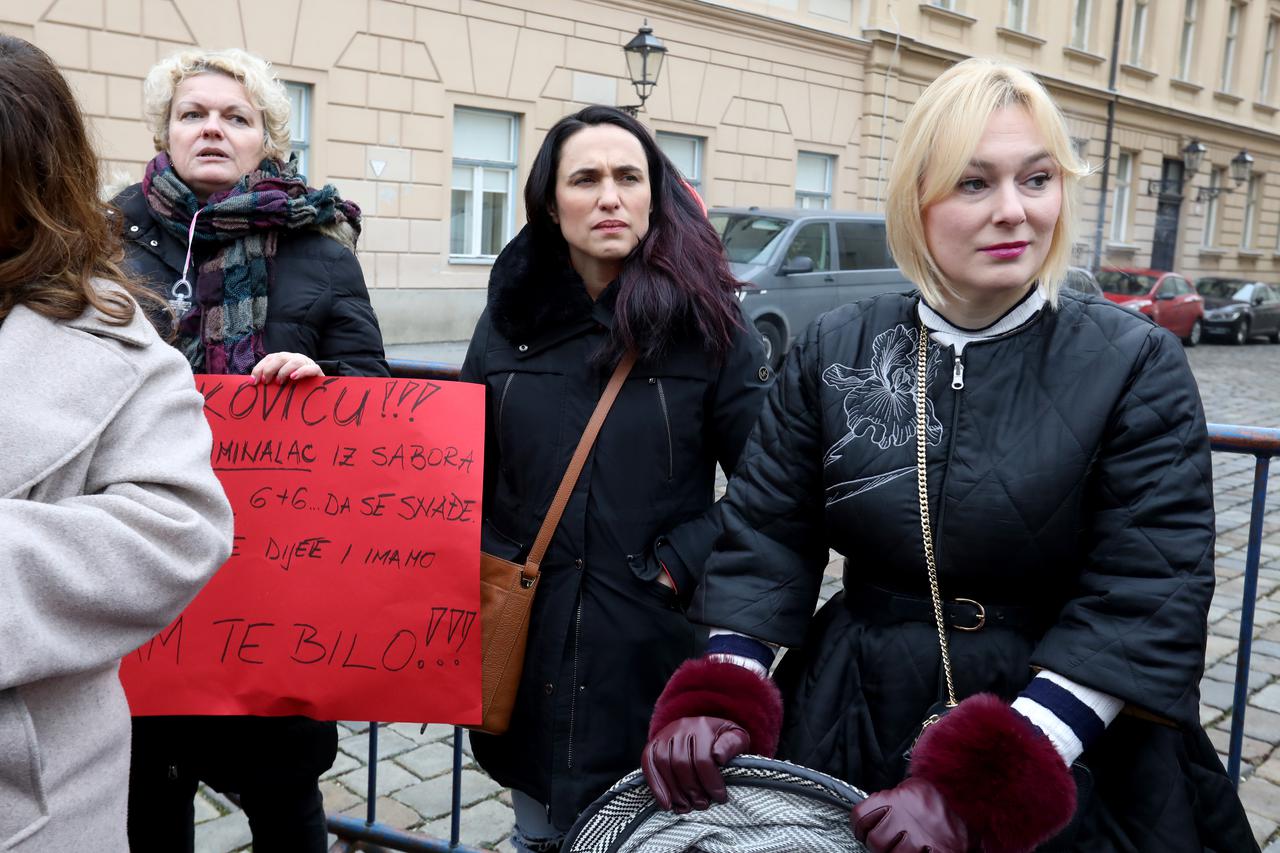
(180, 297)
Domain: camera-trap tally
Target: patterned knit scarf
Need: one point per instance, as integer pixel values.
(222, 331)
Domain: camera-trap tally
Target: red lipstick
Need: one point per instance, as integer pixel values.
(1005, 251)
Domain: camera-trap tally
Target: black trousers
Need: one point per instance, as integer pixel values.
(272, 763)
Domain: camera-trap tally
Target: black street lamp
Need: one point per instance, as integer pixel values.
(1241, 168)
(644, 55)
(1192, 158)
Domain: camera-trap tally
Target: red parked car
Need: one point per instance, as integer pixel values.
(1166, 297)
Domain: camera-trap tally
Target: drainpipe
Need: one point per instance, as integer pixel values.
(1113, 95)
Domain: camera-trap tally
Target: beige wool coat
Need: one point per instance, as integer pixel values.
(111, 520)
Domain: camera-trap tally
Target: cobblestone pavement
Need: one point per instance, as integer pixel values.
(1239, 385)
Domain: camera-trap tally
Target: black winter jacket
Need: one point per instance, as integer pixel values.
(1069, 482)
(317, 304)
(604, 635)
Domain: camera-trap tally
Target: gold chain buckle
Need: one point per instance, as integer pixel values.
(982, 615)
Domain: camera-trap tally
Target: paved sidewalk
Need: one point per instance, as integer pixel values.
(1240, 385)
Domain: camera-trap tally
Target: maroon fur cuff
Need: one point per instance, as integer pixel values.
(998, 773)
(710, 688)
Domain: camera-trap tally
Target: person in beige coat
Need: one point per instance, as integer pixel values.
(111, 518)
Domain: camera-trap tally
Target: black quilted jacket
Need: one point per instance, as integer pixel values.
(1069, 477)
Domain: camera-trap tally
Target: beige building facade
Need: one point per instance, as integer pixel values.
(428, 112)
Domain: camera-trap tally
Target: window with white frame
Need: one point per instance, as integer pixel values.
(1123, 197)
(1252, 197)
(1210, 235)
(1265, 81)
(686, 153)
(482, 208)
(1016, 15)
(300, 124)
(949, 5)
(1080, 25)
(1138, 32)
(1226, 80)
(813, 179)
(1187, 40)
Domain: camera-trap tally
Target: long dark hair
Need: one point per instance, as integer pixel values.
(677, 279)
(55, 236)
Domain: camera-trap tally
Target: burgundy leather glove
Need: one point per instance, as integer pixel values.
(709, 712)
(982, 778)
(682, 762)
(910, 818)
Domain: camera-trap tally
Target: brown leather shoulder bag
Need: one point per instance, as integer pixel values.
(507, 588)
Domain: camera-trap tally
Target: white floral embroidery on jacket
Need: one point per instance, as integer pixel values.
(880, 405)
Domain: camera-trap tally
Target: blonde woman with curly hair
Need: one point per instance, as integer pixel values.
(1019, 480)
(111, 518)
(259, 271)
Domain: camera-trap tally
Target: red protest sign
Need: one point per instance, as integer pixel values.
(353, 591)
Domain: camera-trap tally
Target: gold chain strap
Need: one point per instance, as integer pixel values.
(926, 529)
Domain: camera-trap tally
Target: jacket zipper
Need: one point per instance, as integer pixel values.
(958, 365)
(502, 404)
(957, 384)
(573, 687)
(666, 420)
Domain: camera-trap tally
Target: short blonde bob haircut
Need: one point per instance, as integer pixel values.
(938, 139)
(264, 89)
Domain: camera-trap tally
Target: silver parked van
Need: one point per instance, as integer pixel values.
(796, 264)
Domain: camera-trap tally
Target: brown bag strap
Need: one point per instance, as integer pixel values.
(561, 500)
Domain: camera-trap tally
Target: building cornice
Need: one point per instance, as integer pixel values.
(885, 38)
(733, 21)
(951, 15)
(1019, 37)
(1083, 55)
(888, 39)
(1138, 71)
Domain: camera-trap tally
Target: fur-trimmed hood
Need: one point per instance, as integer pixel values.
(533, 289)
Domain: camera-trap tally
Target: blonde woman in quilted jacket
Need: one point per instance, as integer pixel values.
(1069, 510)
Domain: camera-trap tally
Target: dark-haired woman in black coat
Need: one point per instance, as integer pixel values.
(617, 255)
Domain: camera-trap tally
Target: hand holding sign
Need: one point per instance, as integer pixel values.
(353, 590)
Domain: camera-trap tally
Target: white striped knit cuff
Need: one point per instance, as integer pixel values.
(1071, 715)
(732, 647)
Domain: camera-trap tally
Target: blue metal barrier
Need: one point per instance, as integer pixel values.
(369, 830)
(403, 368)
(1261, 443)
